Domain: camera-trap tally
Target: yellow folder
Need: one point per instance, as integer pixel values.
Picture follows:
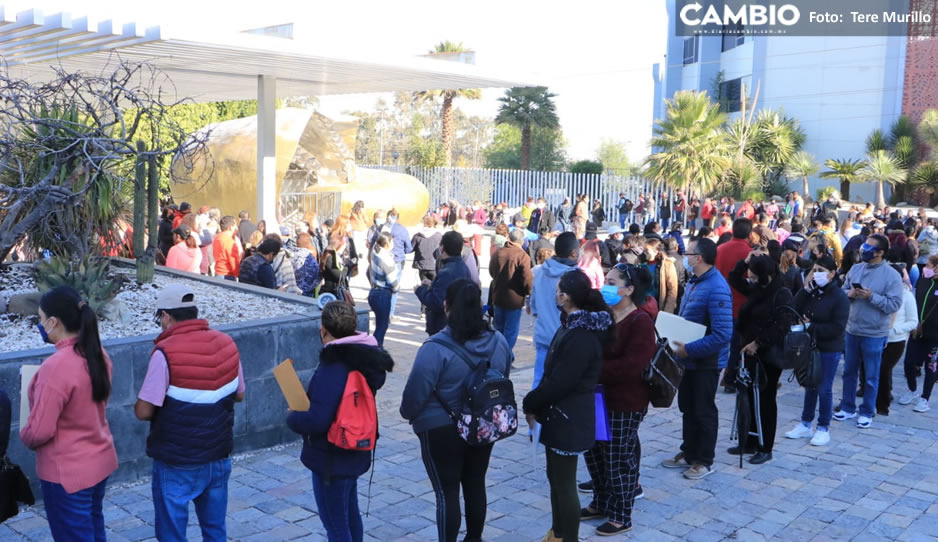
(291, 387)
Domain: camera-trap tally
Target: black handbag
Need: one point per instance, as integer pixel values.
(663, 375)
(811, 373)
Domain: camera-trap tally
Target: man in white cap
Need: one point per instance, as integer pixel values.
(188, 396)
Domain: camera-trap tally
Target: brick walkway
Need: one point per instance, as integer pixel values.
(876, 484)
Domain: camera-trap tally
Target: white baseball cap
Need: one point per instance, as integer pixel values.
(173, 297)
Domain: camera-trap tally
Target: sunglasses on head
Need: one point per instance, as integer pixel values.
(628, 269)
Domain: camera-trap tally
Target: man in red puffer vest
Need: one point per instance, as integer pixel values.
(193, 381)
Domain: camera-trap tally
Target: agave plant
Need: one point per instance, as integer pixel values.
(89, 276)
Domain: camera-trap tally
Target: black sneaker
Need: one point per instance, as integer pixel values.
(735, 450)
(760, 458)
(608, 529)
(586, 487)
(640, 494)
(585, 513)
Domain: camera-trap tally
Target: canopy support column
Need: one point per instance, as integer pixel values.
(266, 150)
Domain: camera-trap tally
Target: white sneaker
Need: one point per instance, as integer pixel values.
(800, 431)
(820, 438)
(863, 422)
(908, 397)
(922, 405)
(842, 415)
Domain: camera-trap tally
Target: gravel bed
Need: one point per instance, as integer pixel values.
(219, 305)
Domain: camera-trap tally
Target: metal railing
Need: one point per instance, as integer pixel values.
(514, 187)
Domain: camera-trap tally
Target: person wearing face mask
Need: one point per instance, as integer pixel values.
(825, 306)
(614, 464)
(927, 243)
(67, 426)
(664, 276)
(335, 471)
(875, 293)
(563, 402)
(924, 338)
(541, 216)
(762, 324)
(193, 380)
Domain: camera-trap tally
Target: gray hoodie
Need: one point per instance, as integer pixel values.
(873, 317)
(544, 298)
(436, 367)
(928, 244)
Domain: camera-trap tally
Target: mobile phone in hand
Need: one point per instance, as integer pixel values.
(856, 286)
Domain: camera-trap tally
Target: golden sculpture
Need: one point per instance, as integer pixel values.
(315, 163)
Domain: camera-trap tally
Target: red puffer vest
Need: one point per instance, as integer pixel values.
(196, 421)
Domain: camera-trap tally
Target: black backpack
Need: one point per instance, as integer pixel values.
(626, 206)
(489, 412)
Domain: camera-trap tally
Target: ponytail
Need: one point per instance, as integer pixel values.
(191, 241)
(595, 303)
(66, 304)
(89, 346)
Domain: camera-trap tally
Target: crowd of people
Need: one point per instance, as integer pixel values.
(862, 282)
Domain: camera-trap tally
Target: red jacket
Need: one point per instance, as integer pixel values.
(706, 212)
(728, 255)
(177, 219)
(746, 211)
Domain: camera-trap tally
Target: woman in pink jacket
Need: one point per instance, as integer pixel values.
(67, 426)
(185, 254)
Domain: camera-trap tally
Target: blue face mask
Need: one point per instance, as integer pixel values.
(43, 333)
(867, 252)
(610, 294)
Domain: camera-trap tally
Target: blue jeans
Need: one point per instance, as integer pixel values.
(869, 351)
(75, 517)
(400, 268)
(379, 299)
(622, 219)
(174, 486)
(508, 322)
(337, 502)
(664, 223)
(540, 355)
(824, 393)
(679, 216)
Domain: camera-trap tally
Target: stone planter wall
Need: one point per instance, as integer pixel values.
(259, 419)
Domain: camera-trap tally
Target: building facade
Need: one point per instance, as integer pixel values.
(839, 88)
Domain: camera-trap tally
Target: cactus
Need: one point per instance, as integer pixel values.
(145, 262)
(153, 201)
(140, 199)
(89, 276)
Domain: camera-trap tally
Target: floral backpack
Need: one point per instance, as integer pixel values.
(489, 412)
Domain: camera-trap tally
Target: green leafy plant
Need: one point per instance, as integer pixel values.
(826, 192)
(848, 171)
(586, 166)
(89, 276)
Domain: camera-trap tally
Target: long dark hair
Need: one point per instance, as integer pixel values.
(638, 277)
(464, 316)
(578, 286)
(65, 303)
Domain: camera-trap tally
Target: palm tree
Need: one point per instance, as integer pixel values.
(845, 170)
(928, 130)
(882, 167)
(802, 164)
(526, 107)
(446, 112)
(876, 141)
(693, 150)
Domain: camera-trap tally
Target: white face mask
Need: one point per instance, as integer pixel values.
(821, 279)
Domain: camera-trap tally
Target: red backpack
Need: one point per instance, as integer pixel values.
(356, 422)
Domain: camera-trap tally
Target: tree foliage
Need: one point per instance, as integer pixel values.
(847, 171)
(587, 166)
(882, 167)
(692, 149)
(614, 157)
(528, 108)
(547, 149)
(802, 165)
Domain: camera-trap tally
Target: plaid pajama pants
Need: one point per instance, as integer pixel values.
(614, 466)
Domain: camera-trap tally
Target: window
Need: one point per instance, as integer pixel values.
(691, 45)
(731, 95)
(733, 36)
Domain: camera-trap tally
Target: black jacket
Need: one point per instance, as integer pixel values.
(760, 318)
(793, 280)
(534, 246)
(542, 217)
(611, 256)
(828, 309)
(325, 393)
(164, 236)
(563, 401)
(424, 249)
(927, 306)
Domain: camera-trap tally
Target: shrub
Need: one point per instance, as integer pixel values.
(587, 166)
(89, 277)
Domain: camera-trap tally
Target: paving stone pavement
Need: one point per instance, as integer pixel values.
(867, 485)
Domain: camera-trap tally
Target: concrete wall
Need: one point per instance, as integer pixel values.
(259, 419)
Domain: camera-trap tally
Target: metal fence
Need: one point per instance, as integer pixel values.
(513, 186)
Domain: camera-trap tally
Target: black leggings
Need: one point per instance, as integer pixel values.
(564, 501)
(768, 407)
(450, 462)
